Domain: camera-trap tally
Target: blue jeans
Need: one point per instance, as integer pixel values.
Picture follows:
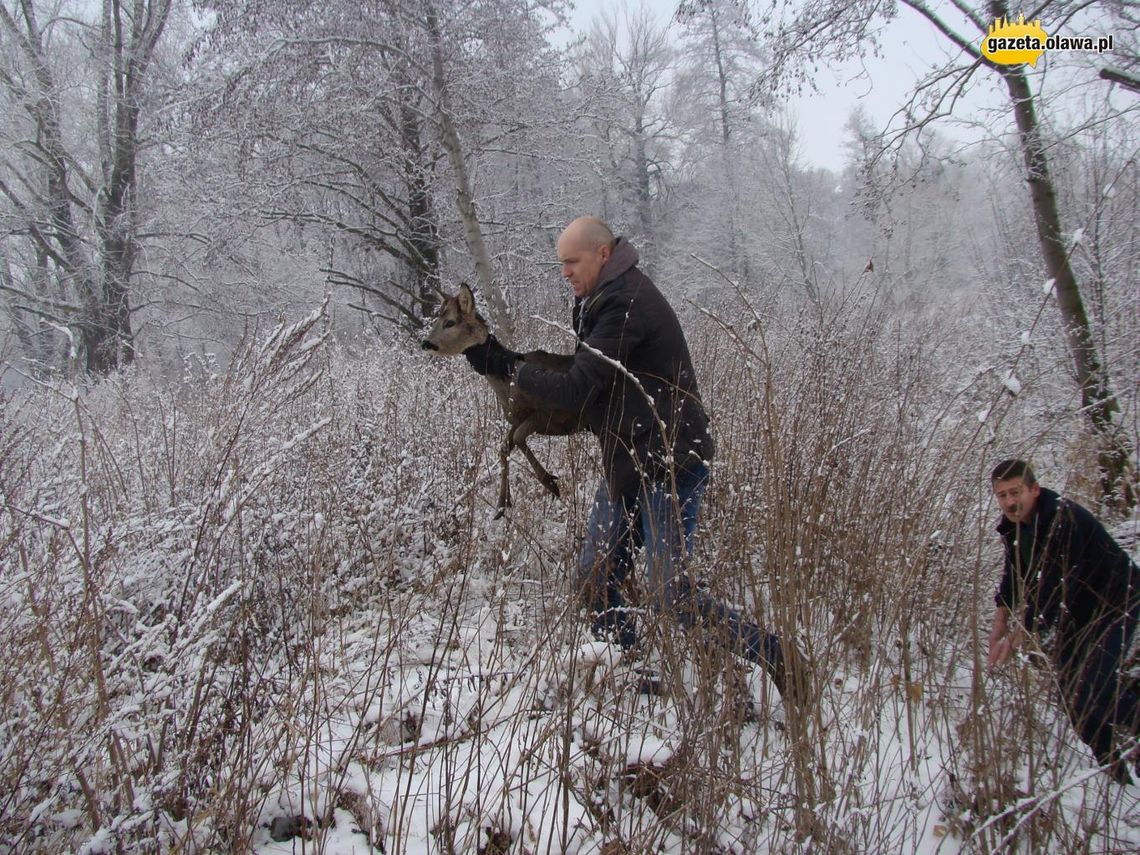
(665, 526)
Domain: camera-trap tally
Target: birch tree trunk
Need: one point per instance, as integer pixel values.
(729, 163)
(464, 197)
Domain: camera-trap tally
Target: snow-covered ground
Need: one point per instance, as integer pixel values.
(268, 609)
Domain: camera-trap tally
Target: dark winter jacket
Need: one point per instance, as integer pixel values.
(1067, 571)
(626, 320)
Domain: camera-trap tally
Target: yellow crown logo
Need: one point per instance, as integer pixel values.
(1014, 44)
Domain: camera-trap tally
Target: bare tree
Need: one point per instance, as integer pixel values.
(323, 113)
(366, 126)
(832, 29)
(716, 101)
(72, 214)
(624, 72)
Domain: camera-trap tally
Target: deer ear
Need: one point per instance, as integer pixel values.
(466, 299)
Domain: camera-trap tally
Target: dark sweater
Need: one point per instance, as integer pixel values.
(1067, 572)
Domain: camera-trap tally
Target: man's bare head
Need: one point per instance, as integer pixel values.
(1016, 489)
(584, 247)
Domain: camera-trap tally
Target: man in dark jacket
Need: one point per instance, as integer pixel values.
(633, 380)
(1072, 586)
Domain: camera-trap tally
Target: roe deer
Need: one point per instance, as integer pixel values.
(456, 328)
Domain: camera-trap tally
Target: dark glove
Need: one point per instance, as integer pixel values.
(492, 358)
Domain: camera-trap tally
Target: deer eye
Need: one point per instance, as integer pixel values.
(447, 324)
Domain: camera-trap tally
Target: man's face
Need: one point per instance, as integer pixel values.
(581, 265)
(1015, 499)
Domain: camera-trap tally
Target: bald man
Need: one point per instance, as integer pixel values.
(633, 380)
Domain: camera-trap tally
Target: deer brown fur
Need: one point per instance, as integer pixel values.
(457, 327)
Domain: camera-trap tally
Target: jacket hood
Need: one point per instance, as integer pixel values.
(623, 259)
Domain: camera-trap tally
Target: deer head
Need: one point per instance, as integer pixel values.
(457, 326)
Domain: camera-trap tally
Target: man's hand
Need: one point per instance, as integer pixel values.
(1000, 651)
(491, 358)
(1003, 641)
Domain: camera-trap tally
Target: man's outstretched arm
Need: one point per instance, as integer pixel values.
(1003, 640)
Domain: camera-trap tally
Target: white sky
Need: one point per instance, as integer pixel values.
(910, 48)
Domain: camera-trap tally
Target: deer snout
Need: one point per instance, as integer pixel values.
(427, 345)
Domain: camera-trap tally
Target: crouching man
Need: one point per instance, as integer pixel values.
(1075, 589)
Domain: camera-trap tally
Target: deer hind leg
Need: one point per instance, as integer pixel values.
(518, 436)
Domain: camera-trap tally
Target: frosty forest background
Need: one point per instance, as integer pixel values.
(253, 594)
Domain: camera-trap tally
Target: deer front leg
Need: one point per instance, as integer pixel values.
(519, 437)
(504, 475)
